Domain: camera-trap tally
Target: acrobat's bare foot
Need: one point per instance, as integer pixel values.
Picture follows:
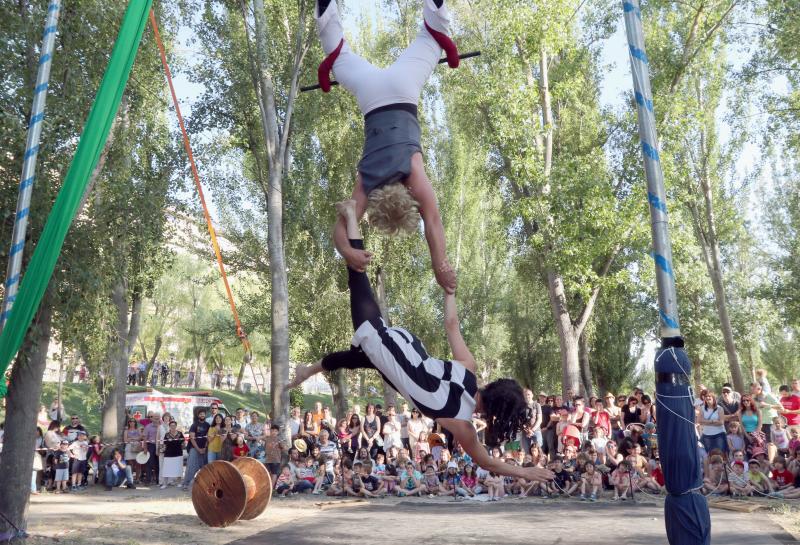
(346, 208)
(301, 374)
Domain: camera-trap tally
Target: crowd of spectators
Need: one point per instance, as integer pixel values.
(597, 447)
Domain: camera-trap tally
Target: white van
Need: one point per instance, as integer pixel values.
(183, 406)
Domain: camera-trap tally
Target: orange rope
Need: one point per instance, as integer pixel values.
(239, 331)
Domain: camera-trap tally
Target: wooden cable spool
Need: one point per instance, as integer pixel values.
(224, 492)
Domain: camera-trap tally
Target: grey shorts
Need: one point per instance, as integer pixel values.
(62, 475)
(391, 137)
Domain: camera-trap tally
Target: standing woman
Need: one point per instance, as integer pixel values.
(216, 434)
(355, 432)
(132, 437)
(38, 464)
(52, 440)
(172, 467)
(711, 418)
(416, 425)
(163, 428)
(370, 431)
(549, 423)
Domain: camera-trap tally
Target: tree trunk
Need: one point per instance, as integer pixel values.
(567, 338)
(706, 234)
(586, 370)
(362, 383)
(338, 382)
(60, 392)
(128, 321)
(240, 376)
(199, 364)
(389, 394)
(277, 139)
(22, 407)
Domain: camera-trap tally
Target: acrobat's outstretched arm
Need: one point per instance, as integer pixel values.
(453, 328)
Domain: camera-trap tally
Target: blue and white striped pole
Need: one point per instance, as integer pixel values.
(29, 161)
(656, 195)
(686, 516)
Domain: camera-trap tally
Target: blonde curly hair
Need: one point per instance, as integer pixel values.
(392, 210)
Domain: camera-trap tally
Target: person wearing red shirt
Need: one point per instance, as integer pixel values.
(784, 480)
(601, 418)
(791, 408)
(240, 449)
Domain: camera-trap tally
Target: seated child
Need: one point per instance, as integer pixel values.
(431, 482)
(564, 482)
(715, 481)
(783, 480)
(410, 482)
(452, 482)
(373, 487)
(390, 479)
(469, 479)
(739, 481)
(591, 481)
(621, 481)
(758, 480)
(285, 482)
(494, 484)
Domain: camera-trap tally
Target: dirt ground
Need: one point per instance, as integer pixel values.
(167, 517)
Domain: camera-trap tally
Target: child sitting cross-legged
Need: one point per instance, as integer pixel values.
(758, 480)
(640, 479)
(591, 481)
(452, 483)
(739, 481)
(621, 480)
(285, 482)
(342, 480)
(431, 482)
(564, 482)
(373, 486)
(410, 482)
(494, 484)
(715, 482)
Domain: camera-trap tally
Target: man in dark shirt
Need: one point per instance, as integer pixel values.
(198, 440)
(729, 403)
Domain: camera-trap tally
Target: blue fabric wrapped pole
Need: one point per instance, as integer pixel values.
(685, 510)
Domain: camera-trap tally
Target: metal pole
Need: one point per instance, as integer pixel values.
(656, 195)
(29, 161)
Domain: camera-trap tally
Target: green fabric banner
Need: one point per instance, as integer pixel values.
(90, 146)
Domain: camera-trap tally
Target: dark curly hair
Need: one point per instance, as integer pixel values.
(504, 408)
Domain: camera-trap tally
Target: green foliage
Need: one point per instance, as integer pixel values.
(296, 397)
